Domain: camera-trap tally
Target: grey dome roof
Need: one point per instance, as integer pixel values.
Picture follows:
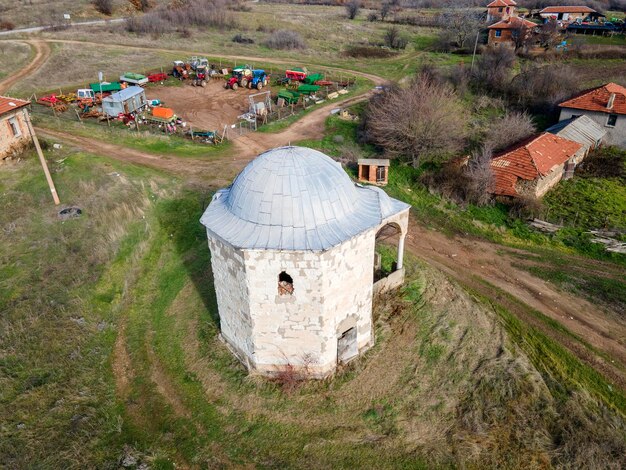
(295, 198)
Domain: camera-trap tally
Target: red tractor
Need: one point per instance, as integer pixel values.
(240, 77)
(201, 76)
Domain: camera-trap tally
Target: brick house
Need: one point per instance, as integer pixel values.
(14, 135)
(507, 32)
(500, 10)
(605, 105)
(374, 171)
(533, 166)
(566, 13)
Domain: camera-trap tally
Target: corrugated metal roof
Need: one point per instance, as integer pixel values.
(597, 99)
(581, 129)
(295, 198)
(11, 104)
(124, 95)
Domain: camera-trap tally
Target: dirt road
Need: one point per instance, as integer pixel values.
(42, 53)
(468, 261)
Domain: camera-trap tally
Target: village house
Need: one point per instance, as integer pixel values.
(606, 106)
(500, 10)
(14, 135)
(292, 245)
(532, 167)
(508, 32)
(581, 129)
(566, 13)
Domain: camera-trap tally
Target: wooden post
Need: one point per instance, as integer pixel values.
(42, 159)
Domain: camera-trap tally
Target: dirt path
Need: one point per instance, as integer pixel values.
(42, 54)
(469, 261)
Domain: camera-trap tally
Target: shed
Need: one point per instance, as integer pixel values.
(374, 171)
(581, 129)
(129, 100)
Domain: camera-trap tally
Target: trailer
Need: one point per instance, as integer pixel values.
(105, 87)
(127, 101)
(134, 78)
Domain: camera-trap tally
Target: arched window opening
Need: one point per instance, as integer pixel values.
(388, 251)
(285, 284)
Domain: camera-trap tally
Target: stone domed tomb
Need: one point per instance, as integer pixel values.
(292, 245)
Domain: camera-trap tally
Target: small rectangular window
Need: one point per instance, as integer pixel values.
(15, 128)
(380, 174)
(612, 120)
(498, 33)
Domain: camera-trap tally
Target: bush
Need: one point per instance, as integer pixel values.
(605, 162)
(542, 87)
(373, 16)
(526, 207)
(6, 25)
(394, 39)
(509, 129)
(352, 8)
(103, 6)
(368, 52)
(285, 39)
(198, 13)
(241, 39)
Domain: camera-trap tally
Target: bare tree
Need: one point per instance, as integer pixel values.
(423, 122)
(508, 129)
(542, 87)
(460, 25)
(494, 68)
(480, 178)
(103, 6)
(522, 36)
(549, 35)
(352, 8)
(385, 8)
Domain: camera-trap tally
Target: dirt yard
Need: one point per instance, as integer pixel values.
(209, 108)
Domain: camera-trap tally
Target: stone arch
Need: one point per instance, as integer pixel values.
(389, 234)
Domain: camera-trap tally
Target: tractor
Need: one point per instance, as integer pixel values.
(181, 70)
(201, 76)
(259, 79)
(240, 77)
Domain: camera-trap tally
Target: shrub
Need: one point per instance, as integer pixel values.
(285, 39)
(369, 52)
(373, 16)
(508, 129)
(241, 39)
(394, 39)
(352, 8)
(422, 122)
(6, 25)
(103, 6)
(605, 162)
(541, 87)
(526, 207)
(494, 68)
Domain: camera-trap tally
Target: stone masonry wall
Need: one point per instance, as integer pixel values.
(231, 288)
(9, 143)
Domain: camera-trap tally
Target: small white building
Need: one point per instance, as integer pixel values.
(292, 245)
(126, 101)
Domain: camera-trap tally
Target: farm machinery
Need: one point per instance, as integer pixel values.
(246, 77)
(181, 70)
(239, 77)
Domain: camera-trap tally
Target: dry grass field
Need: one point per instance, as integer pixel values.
(13, 56)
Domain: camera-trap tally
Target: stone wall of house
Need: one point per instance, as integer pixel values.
(614, 136)
(231, 289)
(11, 145)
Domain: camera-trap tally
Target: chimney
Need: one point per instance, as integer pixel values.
(609, 105)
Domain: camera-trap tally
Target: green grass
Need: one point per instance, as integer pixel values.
(616, 40)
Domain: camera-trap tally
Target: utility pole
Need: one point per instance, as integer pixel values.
(474, 54)
(42, 159)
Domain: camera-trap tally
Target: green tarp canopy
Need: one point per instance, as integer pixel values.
(289, 96)
(115, 86)
(312, 78)
(308, 89)
(134, 76)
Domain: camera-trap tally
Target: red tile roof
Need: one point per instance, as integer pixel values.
(597, 99)
(501, 3)
(513, 23)
(529, 160)
(11, 104)
(574, 9)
